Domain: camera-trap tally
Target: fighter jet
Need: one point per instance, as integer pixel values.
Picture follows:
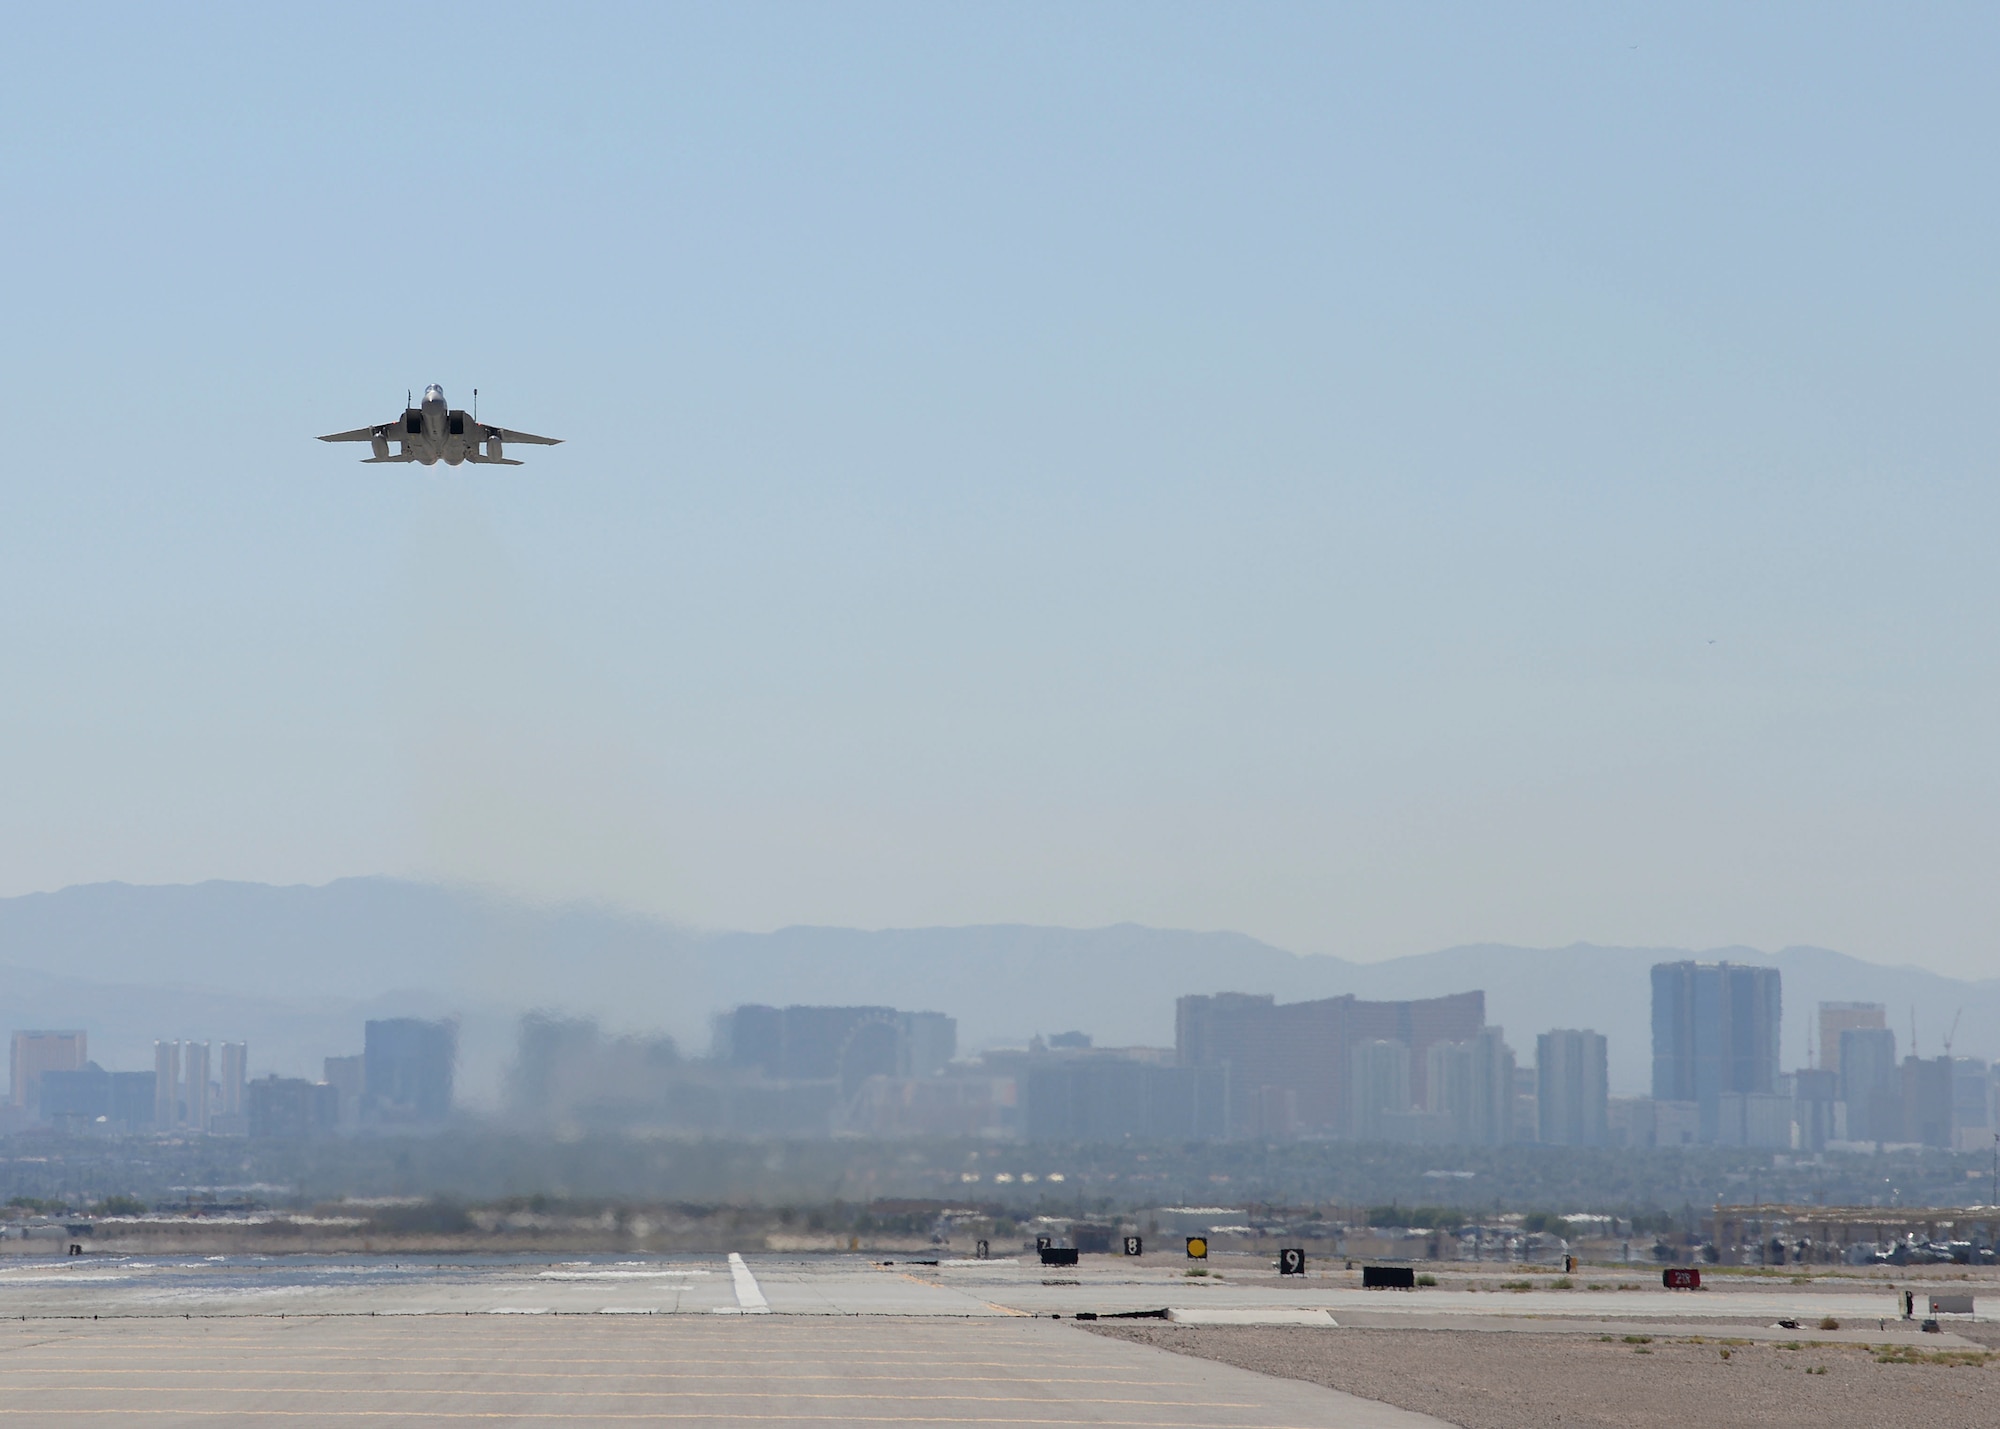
(433, 433)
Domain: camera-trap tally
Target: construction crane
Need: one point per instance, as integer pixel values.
(1954, 1030)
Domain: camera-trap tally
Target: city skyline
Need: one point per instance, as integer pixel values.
(1429, 1071)
(391, 949)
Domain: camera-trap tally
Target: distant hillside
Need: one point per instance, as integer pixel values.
(294, 969)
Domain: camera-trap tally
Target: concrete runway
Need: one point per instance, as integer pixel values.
(696, 1369)
(740, 1339)
(846, 1285)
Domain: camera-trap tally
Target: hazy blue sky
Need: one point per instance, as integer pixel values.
(1370, 477)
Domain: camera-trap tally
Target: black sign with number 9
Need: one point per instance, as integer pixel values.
(1291, 1262)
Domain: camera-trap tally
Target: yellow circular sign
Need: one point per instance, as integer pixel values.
(1197, 1247)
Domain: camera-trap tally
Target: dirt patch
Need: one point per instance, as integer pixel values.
(1496, 1380)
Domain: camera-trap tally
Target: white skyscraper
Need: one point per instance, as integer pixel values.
(1570, 1093)
(1473, 1083)
(166, 1085)
(195, 1093)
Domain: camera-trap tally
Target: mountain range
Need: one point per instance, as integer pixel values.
(296, 970)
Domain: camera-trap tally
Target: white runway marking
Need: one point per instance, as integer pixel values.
(749, 1299)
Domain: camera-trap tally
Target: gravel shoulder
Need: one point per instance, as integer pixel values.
(1483, 1380)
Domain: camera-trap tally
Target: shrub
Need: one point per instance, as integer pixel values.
(434, 1217)
(39, 1205)
(1441, 1218)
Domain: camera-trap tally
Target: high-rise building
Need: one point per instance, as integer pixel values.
(1448, 1083)
(1108, 1097)
(1307, 1048)
(1473, 1083)
(74, 1100)
(167, 1112)
(1927, 1099)
(1838, 1017)
(827, 1043)
(753, 1037)
(1715, 1030)
(1572, 1088)
(407, 1068)
(234, 1075)
(346, 1076)
(1817, 1108)
(195, 1087)
(184, 1096)
(1870, 1084)
(289, 1108)
(1378, 1087)
(94, 1099)
(132, 1101)
(1754, 1119)
(1277, 1107)
(1492, 1120)
(1971, 1104)
(1527, 1121)
(927, 1043)
(844, 1044)
(37, 1052)
(552, 1053)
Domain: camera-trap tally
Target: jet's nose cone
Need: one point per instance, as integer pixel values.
(433, 393)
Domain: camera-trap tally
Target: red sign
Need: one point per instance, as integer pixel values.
(1678, 1279)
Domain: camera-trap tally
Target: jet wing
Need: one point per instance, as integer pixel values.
(510, 436)
(360, 434)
